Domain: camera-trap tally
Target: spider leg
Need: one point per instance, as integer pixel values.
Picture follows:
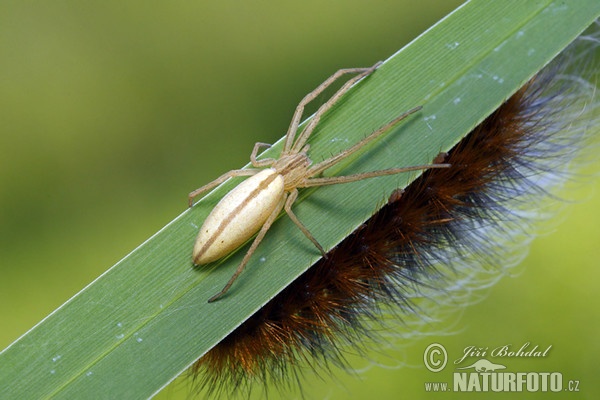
(323, 165)
(259, 237)
(291, 133)
(260, 163)
(333, 180)
(231, 174)
(288, 209)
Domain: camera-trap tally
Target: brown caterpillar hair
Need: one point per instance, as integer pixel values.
(432, 239)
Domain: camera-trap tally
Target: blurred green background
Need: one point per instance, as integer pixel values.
(111, 112)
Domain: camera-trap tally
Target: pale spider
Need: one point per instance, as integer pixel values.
(254, 204)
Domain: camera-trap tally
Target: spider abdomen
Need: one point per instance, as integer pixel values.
(238, 216)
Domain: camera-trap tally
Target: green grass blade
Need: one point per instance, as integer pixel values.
(146, 319)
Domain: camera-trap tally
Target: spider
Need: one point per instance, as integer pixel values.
(254, 204)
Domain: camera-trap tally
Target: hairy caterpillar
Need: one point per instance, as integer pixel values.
(436, 239)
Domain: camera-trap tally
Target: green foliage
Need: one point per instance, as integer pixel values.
(146, 319)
